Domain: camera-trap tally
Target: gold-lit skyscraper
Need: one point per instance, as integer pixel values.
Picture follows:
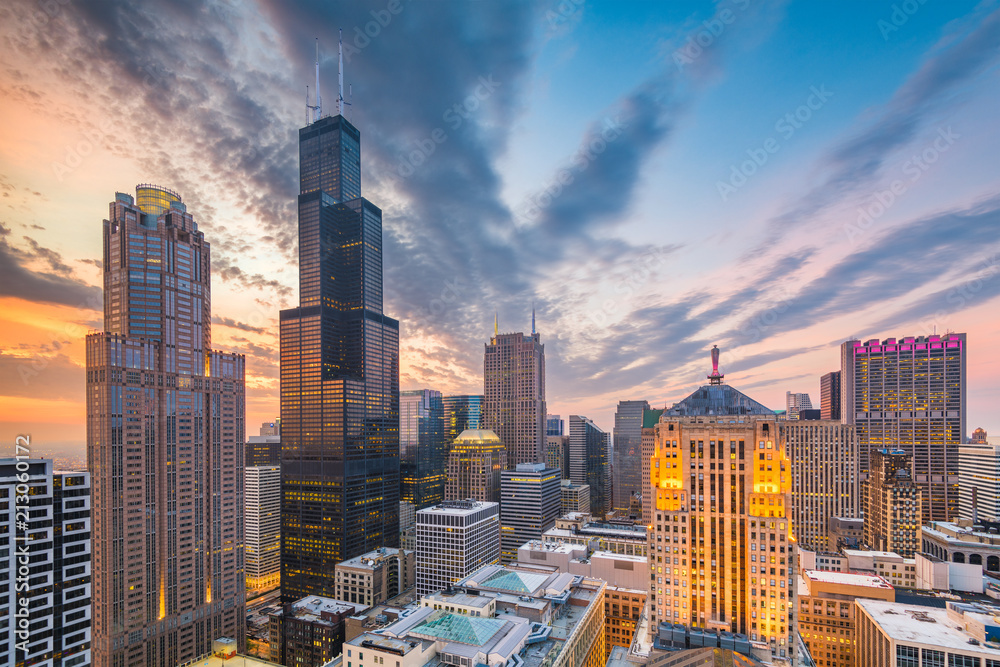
(721, 548)
(474, 465)
(165, 445)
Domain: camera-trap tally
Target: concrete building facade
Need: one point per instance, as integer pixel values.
(531, 501)
(376, 576)
(514, 386)
(263, 526)
(454, 539)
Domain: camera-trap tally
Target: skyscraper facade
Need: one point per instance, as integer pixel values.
(514, 381)
(56, 534)
(891, 504)
(794, 403)
(263, 526)
(454, 539)
(462, 413)
(339, 373)
(722, 553)
(650, 418)
(829, 396)
(165, 445)
(909, 394)
(824, 460)
(554, 425)
(423, 453)
(979, 481)
(628, 453)
(531, 501)
(475, 463)
(588, 462)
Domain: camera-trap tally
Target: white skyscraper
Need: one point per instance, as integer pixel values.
(454, 539)
(263, 526)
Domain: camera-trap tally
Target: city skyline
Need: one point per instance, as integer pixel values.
(636, 267)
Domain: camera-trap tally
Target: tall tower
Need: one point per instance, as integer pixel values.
(165, 445)
(514, 379)
(909, 394)
(423, 452)
(721, 548)
(339, 373)
(588, 462)
(628, 453)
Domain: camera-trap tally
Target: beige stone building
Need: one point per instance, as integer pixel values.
(376, 576)
(892, 504)
(827, 613)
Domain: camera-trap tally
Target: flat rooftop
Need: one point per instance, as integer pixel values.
(457, 507)
(928, 626)
(873, 554)
(367, 560)
(848, 579)
(235, 661)
(461, 599)
(314, 606)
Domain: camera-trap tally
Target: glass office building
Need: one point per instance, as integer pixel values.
(423, 453)
(339, 374)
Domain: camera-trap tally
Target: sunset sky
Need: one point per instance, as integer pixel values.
(656, 178)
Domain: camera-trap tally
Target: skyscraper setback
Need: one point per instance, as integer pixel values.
(339, 373)
(909, 394)
(514, 379)
(165, 445)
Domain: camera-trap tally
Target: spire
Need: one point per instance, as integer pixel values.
(340, 75)
(496, 324)
(715, 377)
(532, 318)
(318, 109)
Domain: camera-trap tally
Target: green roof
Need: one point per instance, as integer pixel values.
(650, 418)
(457, 628)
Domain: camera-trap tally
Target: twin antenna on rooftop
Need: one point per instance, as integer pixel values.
(317, 109)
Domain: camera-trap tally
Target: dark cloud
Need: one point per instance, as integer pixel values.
(230, 273)
(58, 287)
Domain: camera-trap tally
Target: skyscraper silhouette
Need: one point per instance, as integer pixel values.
(339, 373)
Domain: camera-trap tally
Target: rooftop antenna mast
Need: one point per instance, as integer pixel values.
(319, 99)
(317, 108)
(340, 77)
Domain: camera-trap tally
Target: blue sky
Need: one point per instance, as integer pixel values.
(654, 247)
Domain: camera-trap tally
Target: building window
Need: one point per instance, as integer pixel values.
(958, 660)
(907, 656)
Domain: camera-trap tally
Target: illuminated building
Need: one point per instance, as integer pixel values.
(795, 403)
(514, 381)
(650, 418)
(979, 437)
(310, 632)
(423, 453)
(454, 539)
(628, 453)
(263, 526)
(909, 394)
(575, 497)
(165, 445)
(339, 374)
(530, 503)
(892, 504)
(827, 612)
(721, 549)
(588, 462)
(829, 396)
(824, 461)
(475, 463)
(462, 413)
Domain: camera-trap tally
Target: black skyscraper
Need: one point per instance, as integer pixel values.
(339, 374)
